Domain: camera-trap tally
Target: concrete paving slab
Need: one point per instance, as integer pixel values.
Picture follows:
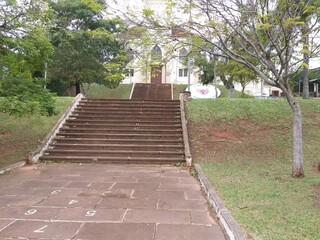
(4, 223)
(130, 203)
(74, 201)
(194, 195)
(157, 180)
(40, 230)
(178, 195)
(41, 184)
(188, 232)
(157, 216)
(123, 231)
(19, 200)
(179, 186)
(202, 217)
(118, 193)
(28, 212)
(195, 205)
(137, 186)
(119, 179)
(70, 202)
(91, 215)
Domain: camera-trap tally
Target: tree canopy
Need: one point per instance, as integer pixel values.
(267, 35)
(24, 48)
(87, 48)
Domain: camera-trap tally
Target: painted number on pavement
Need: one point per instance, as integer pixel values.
(40, 230)
(30, 212)
(90, 213)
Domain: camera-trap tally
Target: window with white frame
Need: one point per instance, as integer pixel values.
(130, 72)
(183, 72)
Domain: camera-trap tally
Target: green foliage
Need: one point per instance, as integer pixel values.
(206, 68)
(24, 46)
(147, 12)
(87, 49)
(24, 97)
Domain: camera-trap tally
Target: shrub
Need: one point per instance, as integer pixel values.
(22, 96)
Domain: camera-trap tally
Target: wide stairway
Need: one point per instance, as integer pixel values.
(152, 91)
(120, 131)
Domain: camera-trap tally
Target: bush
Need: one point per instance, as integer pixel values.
(23, 96)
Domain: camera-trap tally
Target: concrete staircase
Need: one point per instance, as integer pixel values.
(120, 131)
(152, 91)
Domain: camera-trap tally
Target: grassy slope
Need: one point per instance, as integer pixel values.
(245, 148)
(99, 91)
(224, 92)
(123, 91)
(20, 136)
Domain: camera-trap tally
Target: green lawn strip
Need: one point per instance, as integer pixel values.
(178, 88)
(102, 92)
(253, 176)
(19, 136)
(265, 200)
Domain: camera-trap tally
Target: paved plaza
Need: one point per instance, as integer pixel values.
(116, 202)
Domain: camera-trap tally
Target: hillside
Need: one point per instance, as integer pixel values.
(245, 148)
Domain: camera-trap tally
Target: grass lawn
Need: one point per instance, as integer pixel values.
(178, 88)
(100, 91)
(244, 146)
(21, 135)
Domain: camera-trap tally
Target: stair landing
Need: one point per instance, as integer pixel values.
(150, 91)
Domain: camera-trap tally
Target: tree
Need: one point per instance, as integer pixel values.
(306, 16)
(24, 46)
(86, 45)
(24, 49)
(266, 31)
(231, 71)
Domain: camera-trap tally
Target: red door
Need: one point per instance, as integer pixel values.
(156, 75)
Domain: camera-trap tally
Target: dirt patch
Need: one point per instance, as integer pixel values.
(3, 132)
(7, 148)
(221, 141)
(316, 198)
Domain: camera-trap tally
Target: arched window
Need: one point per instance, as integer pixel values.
(182, 54)
(156, 53)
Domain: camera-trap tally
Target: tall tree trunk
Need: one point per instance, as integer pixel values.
(306, 56)
(297, 168)
(230, 92)
(297, 165)
(78, 87)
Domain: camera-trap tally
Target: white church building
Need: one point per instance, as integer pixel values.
(160, 68)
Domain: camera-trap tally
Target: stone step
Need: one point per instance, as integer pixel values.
(159, 104)
(140, 122)
(151, 91)
(118, 160)
(130, 106)
(130, 117)
(119, 146)
(128, 100)
(124, 126)
(143, 136)
(127, 113)
(120, 130)
(113, 153)
(129, 110)
(144, 142)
